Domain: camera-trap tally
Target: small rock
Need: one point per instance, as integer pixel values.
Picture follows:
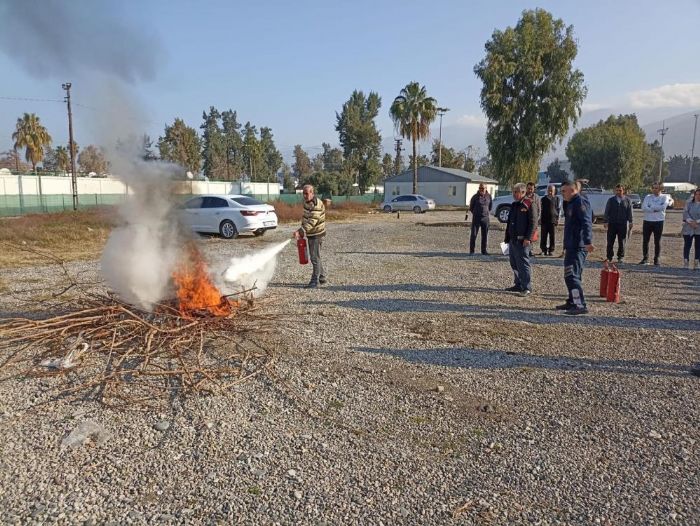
(298, 494)
(163, 425)
(488, 408)
(292, 473)
(655, 434)
(440, 388)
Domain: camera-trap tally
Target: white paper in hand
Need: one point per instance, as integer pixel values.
(504, 248)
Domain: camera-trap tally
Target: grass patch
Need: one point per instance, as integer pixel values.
(292, 213)
(254, 490)
(67, 235)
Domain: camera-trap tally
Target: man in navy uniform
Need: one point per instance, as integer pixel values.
(519, 231)
(578, 242)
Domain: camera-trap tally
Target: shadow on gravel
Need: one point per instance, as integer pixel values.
(486, 359)
(528, 314)
(402, 287)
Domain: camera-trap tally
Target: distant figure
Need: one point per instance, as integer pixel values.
(578, 242)
(551, 209)
(313, 226)
(618, 222)
(691, 229)
(480, 207)
(532, 196)
(519, 231)
(654, 208)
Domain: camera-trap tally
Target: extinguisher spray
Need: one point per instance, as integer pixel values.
(303, 250)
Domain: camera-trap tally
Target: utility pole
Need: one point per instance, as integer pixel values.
(692, 150)
(662, 131)
(441, 112)
(71, 147)
(397, 160)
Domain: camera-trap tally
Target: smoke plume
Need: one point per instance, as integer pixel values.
(254, 270)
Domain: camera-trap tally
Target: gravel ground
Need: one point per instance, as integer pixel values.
(415, 392)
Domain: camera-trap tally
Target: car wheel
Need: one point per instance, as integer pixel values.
(228, 230)
(387, 208)
(259, 232)
(417, 209)
(503, 213)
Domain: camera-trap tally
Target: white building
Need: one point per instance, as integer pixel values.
(446, 186)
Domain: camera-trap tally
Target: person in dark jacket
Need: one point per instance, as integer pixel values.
(480, 207)
(578, 242)
(550, 211)
(519, 231)
(618, 222)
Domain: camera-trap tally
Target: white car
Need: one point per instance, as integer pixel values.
(415, 202)
(228, 215)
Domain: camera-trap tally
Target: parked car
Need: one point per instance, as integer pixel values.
(228, 215)
(636, 200)
(598, 198)
(418, 203)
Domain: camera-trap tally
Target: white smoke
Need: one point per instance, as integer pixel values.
(254, 270)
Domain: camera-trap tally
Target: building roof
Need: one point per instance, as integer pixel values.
(436, 174)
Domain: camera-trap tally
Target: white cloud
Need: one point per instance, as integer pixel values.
(668, 96)
(592, 106)
(477, 121)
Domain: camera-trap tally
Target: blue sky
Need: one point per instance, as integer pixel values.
(291, 65)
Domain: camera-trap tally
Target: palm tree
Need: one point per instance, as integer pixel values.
(412, 112)
(31, 134)
(62, 159)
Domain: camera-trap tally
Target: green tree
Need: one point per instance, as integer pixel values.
(555, 172)
(413, 112)
(302, 163)
(272, 158)
(531, 93)
(422, 160)
(146, 146)
(610, 152)
(387, 165)
(253, 159)
(31, 135)
(92, 159)
(399, 165)
(652, 159)
(233, 145)
(180, 144)
(332, 158)
(450, 157)
(678, 167)
(360, 138)
(469, 164)
(213, 146)
(287, 179)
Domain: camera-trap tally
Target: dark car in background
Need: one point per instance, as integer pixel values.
(636, 200)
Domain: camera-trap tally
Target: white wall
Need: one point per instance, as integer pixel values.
(441, 193)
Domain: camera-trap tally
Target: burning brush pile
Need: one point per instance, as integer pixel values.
(105, 348)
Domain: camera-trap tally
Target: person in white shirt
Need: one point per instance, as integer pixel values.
(654, 208)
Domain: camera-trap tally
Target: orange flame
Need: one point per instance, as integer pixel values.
(196, 293)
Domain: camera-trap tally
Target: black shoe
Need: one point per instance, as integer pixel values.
(485, 254)
(565, 306)
(471, 253)
(311, 285)
(573, 311)
(513, 289)
(656, 262)
(524, 293)
(695, 371)
(322, 281)
(644, 261)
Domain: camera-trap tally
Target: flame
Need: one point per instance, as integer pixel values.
(196, 293)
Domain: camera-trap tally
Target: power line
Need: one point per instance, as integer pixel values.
(26, 99)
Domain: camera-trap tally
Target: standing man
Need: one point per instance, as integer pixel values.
(654, 208)
(313, 226)
(618, 222)
(578, 242)
(551, 209)
(519, 231)
(480, 207)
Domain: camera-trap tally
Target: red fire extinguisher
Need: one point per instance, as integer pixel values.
(613, 292)
(303, 249)
(604, 280)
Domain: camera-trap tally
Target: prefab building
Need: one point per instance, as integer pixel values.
(446, 186)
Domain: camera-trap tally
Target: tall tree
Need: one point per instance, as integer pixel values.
(213, 147)
(62, 158)
(31, 135)
(450, 157)
(287, 179)
(387, 166)
(531, 93)
(180, 144)
(272, 158)
(412, 112)
(610, 152)
(421, 160)
(652, 159)
(360, 138)
(146, 145)
(92, 159)
(469, 164)
(399, 165)
(233, 145)
(332, 158)
(302, 163)
(556, 173)
(252, 154)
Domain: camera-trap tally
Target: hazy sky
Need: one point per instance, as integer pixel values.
(291, 65)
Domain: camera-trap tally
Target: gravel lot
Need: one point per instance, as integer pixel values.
(416, 392)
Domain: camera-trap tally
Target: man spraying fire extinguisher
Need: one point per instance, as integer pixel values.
(313, 226)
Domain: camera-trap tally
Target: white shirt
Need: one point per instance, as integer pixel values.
(654, 207)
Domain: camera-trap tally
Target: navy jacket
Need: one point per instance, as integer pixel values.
(480, 206)
(618, 213)
(521, 221)
(578, 226)
(550, 210)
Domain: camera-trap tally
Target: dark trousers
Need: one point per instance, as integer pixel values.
(649, 228)
(547, 235)
(616, 231)
(687, 242)
(483, 224)
(520, 263)
(315, 256)
(573, 270)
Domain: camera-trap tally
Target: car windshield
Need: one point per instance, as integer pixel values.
(246, 201)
